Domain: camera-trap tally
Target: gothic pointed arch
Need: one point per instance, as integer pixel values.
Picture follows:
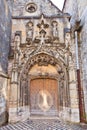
(44, 60)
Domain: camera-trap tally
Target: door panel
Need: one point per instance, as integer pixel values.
(44, 97)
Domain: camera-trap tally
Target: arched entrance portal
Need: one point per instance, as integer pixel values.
(44, 87)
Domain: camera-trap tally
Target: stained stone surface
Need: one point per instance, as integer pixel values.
(5, 36)
(43, 6)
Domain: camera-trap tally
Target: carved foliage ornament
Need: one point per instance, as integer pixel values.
(40, 59)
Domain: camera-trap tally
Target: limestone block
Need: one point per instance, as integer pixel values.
(72, 75)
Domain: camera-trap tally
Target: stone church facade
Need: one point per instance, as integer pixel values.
(40, 79)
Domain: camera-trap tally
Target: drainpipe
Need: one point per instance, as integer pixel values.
(80, 90)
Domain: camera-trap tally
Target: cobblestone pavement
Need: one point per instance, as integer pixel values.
(44, 124)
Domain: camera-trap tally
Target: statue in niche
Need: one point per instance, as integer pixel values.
(17, 41)
(55, 29)
(29, 31)
(67, 38)
(17, 45)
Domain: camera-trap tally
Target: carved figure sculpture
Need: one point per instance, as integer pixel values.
(55, 29)
(29, 30)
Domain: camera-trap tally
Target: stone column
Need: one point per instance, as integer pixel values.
(74, 112)
(14, 95)
(14, 90)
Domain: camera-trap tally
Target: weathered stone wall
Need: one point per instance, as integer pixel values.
(83, 41)
(79, 12)
(71, 8)
(5, 33)
(82, 4)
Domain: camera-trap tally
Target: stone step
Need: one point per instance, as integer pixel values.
(42, 124)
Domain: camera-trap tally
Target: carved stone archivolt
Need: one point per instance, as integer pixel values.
(54, 51)
(42, 60)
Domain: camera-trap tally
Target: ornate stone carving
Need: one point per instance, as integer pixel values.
(29, 30)
(42, 25)
(40, 59)
(17, 42)
(34, 50)
(67, 38)
(55, 29)
(42, 38)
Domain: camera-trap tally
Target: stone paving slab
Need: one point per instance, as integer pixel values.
(44, 124)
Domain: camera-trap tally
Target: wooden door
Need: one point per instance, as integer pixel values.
(44, 97)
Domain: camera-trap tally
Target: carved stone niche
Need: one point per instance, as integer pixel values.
(17, 40)
(55, 30)
(67, 37)
(29, 32)
(16, 45)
